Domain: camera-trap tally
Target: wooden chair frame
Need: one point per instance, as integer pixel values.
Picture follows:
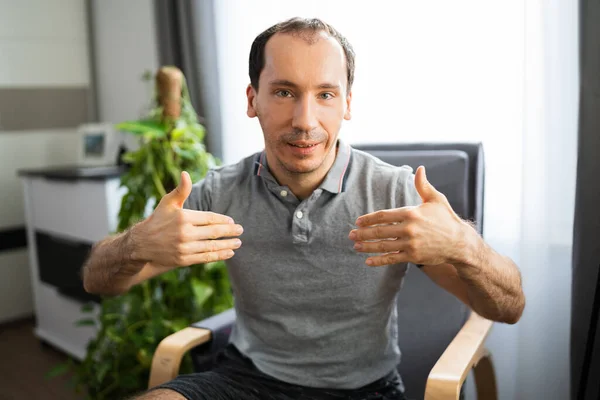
(466, 352)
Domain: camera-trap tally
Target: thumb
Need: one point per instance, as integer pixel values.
(179, 195)
(425, 189)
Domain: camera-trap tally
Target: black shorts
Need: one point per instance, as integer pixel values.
(236, 378)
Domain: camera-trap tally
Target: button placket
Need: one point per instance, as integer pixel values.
(300, 218)
(299, 224)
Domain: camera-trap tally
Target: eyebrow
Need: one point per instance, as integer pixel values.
(284, 82)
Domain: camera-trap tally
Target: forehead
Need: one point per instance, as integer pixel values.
(305, 57)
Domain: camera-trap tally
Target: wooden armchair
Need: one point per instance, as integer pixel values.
(467, 351)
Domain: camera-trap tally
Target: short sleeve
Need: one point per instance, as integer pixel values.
(407, 195)
(201, 197)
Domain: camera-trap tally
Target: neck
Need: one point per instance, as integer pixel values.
(302, 185)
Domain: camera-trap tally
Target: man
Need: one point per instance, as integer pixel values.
(315, 315)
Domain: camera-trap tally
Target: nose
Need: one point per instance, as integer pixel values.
(305, 118)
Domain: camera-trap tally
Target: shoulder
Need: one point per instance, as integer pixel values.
(398, 180)
(219, 181)
(233, 174)
(368, 166)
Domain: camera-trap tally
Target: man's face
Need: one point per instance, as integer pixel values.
(302, 101)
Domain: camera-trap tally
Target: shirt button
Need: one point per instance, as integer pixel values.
(299, 215)
(283, 193)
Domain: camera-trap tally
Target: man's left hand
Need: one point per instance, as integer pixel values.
(428, 234)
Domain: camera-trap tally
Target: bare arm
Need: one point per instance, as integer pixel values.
(485, 280)
(169, 238)
(110, 268)
(454, 254)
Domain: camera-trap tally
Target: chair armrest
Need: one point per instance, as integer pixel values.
(465, 352)
(170, 351)
(167, 357)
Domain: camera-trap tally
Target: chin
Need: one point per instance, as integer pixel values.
(303, 167)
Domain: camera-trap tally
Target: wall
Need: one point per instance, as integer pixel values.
(125, 47)
(47, 85)
(44, 94)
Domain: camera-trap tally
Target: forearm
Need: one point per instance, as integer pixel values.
(493, 281)
(110, 268)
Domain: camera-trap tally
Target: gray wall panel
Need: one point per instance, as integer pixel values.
(42, 108)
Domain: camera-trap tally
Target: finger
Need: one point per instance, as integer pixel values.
(375, 232)
(206, 218)
(424, 187)
(179, 195)
(387, 259)
(394, 215)
(220, 231)
(202, 258)
(381, 246)
(208, 246)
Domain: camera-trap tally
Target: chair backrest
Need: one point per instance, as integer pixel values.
(429, 317)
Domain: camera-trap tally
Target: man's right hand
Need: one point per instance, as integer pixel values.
(173, 236)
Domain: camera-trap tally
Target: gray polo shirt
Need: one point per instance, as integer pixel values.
(309, 310)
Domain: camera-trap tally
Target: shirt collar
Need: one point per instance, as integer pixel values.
(335, 180)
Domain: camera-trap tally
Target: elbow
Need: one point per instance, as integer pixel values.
(511, 319)
(515, 311)
(88, 275)
(87, 282)
(508, 314)
(112, 292)
(87, 287)
(91, 287)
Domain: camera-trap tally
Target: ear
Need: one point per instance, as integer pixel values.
(348, 113)
(251, 95)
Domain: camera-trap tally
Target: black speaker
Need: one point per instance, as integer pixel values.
(59, 264)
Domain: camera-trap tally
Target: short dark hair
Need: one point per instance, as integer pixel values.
(296, 25)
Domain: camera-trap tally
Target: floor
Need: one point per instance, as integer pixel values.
(25, 363)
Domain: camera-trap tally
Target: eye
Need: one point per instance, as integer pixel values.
(283, 93)
(326, 96)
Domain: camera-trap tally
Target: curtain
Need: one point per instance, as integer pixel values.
(185, 36)
(585, 327)
(504, 73)
(548, 172)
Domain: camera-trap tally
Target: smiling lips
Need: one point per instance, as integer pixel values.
(303, 148)
(303, 144)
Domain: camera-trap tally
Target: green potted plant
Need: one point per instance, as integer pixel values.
(130, 326)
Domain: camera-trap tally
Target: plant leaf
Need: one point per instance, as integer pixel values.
(112, 334)
(85, 322)
(142, 127)
(201, 290)
(102, 370)
(143, 357)
(58, 370)
(131, 326)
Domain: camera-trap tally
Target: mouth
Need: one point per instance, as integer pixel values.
(302, 148)
(303, 145)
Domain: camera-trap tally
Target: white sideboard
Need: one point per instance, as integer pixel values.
(67, 210)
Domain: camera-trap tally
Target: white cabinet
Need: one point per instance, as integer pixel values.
(67, 210)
